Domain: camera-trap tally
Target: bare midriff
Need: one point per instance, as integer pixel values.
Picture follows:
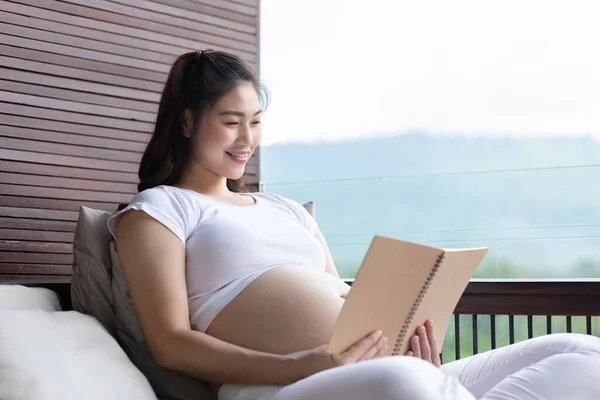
(286, 309)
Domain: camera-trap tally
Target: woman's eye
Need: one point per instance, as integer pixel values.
(231, 123)
(256, 122)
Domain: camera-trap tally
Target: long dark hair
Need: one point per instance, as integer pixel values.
(197, 80)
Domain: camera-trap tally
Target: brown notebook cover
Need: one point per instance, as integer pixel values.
(398, 287)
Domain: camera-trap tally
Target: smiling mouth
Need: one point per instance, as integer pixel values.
(239, 157)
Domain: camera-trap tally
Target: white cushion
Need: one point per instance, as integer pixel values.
(64, 355)
(20, 297)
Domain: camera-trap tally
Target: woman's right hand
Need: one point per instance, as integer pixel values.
(310, 362)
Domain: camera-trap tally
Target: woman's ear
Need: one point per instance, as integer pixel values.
(187, 122)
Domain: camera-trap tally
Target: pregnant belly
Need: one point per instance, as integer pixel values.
(286, 309)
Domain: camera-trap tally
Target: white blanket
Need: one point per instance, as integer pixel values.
(64, 356)
(23, 297)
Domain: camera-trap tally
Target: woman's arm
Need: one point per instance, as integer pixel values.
(153, 261)
(329, 265)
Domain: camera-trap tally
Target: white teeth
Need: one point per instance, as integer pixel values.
(241, 156)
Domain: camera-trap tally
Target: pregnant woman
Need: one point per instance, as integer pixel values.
(240, 289)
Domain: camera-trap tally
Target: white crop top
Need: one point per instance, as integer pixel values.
(228, 246)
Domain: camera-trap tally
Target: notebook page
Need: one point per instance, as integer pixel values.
(440, 300)
(384, 290)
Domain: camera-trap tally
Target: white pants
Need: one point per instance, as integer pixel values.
(552, 367)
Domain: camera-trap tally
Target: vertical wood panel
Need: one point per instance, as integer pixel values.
(80, 83)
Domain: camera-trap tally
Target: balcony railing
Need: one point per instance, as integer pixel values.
(490, 313)
(493, 313)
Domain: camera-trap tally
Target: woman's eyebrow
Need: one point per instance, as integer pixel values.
(237, 113)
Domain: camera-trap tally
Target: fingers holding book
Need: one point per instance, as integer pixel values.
(424, 345)
(309, 362)
(371, 346)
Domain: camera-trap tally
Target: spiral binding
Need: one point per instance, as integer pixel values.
(416, 304)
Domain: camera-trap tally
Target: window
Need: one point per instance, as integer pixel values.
(454, 124)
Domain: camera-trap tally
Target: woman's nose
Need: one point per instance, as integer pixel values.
(245, 134)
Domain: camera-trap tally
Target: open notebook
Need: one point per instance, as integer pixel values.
(398, 287)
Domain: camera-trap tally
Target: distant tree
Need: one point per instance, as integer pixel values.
(587, 268)
(500, 269)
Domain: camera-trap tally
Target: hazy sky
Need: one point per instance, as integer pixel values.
(348, 68)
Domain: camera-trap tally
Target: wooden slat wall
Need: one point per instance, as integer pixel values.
(79, 85)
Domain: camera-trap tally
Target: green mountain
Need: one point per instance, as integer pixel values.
(535, 202)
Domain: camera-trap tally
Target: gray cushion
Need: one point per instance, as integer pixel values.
(310, 207)
(91, 291)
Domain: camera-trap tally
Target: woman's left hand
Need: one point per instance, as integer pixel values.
(423, 345)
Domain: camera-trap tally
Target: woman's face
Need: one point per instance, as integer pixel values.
(229, 131)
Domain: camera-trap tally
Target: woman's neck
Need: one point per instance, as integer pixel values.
(203, 181)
